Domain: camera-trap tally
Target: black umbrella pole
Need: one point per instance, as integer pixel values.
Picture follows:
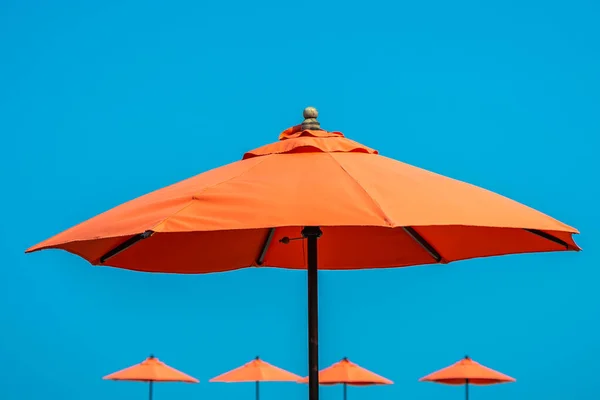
(150, 390)
(345, 391)
(312, 234)
(257, 391)
(467, 390)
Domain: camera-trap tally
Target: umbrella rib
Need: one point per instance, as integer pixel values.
(265, 247)
(130, 242)
(410, 231)
(548, 236)
(125, 245)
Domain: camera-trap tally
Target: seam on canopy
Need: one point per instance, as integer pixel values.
(196, 196)
(387, 219)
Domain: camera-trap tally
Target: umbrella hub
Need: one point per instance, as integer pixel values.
(308, 137)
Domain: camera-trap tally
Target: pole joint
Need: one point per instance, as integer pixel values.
(312, 231)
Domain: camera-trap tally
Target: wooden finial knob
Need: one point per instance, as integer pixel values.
(310, 112)
(310, 119)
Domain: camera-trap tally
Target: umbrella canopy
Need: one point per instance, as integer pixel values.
(347, 372)
(256, 371)
(371, 211)
(467, 372)
(150, 370)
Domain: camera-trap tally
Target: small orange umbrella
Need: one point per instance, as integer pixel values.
(345, 372)
(150, 370)
(467, 372)
(256, 371)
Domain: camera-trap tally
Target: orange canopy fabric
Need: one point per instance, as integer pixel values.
(256, 370)
(347, 372)
(467, 371)
(374, 212)
(151, 370)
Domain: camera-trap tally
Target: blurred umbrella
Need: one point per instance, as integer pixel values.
(256, 371)
(150, 370)
(467, 372)
(345, 373)
(272, 207)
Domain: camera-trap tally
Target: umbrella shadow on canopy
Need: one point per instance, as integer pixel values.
(345, 373)
(467, 372)
(256, 371)
(150, 370)
(313, 200)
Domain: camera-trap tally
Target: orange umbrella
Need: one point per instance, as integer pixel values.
(467, 372)
(256, 371)
(150, 370)
(345, 372)
(271, 208)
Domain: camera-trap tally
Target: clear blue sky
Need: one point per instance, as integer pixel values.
(101, 102)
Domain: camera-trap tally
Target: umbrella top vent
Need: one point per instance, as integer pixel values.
(309, 137)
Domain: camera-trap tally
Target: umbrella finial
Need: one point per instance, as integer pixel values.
(310, 119)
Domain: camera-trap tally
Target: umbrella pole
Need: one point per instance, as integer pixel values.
(150, 390)
(257, 391)
(467, 390)
(345, 391)
(312, 234)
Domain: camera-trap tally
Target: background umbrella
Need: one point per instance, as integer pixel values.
(150, 370)
(271, 208)
(256, 371)
(467, 372)
(345, 373)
